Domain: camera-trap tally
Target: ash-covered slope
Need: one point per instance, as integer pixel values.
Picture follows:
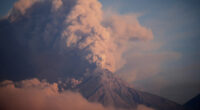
(104, 87)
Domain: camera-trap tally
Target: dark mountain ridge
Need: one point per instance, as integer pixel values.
(193, 104)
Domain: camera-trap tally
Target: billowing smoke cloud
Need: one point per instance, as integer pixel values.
(125, 31)
(40, 95)
(23, 5)
(57, 36)
(102, 44)
(143, 64)
(127, 27)
(83, 27)
(85, 32)
(57, 4)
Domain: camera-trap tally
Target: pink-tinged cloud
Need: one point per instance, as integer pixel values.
(127, 27)
(104, 39)
(143, 64)
(56, 4)
(101, 40)
(40, 95)
(23, 5)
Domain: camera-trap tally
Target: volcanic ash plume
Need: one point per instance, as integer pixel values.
(23, 5)
(99, 43)
(82, 26)
(86, 33)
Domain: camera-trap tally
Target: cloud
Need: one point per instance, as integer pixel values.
(144, 60)
(40, 95)
(102, 44)
(85, 32)
(127, 27)
(77, 32)
(142, 107)
(75, 26)
(56, 4)
(23, 5)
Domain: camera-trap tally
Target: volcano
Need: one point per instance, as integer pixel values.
(65, 43)
(104, 87)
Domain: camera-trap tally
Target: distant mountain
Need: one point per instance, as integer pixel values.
(193, 104)
(104, 87)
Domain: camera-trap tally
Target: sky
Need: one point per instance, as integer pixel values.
(175, 25)
(169, 64)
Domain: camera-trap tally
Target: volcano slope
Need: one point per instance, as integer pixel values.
(104, 87)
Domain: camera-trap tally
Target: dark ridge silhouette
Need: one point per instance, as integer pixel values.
(193, 104)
